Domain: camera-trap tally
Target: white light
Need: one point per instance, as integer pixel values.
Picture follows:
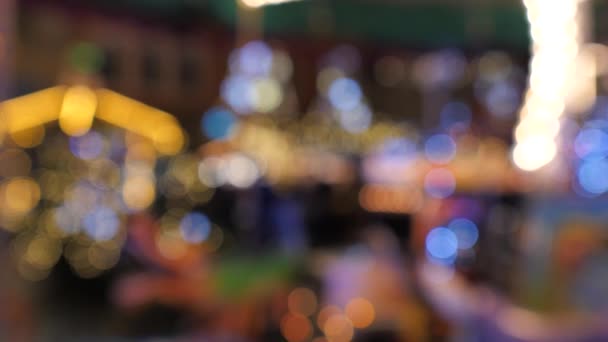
(556, 31)
(260, 3)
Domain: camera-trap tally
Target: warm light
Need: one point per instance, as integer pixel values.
(296, 328)
(302, 301)
(338, 328)
(557, 69)
(19, 196)
(138, 192)
(77, 111)
(534, 153)
(160, 127)
(360, 312)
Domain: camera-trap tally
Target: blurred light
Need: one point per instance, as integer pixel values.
(456, 115)
(556, 31)
(43, 252)
(502, 99)
(78, 110)
(302, 301)
(345, 94)
(159, 127)
(32, 110)
(357, 120)
(234, 91)
(338, 328)
(535, 152)
(439, 69)
(210, 172)
(104, 257)
(360, 312)
(19, 196)
(253, 59)
(388, 199)
(138, 192)
(591, 143)
(440, 183)
(442, 243)
(28, 138)
(296, 328)
(592, 176)
(241, 171)
(101, 224)
(88, 146)
(219, 123)
(282, 66)
(326, 78)
(66, 220)
(265, 95)
(466, 232)
(325, 313)
(345, 57)
(195, 228)
(389, 71)
(440, 148)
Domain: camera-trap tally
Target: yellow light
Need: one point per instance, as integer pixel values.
(138, 192)
(19, 196)
(78, 110)
(266, 95)
(159, 127)
(32, 110)
(28, 138)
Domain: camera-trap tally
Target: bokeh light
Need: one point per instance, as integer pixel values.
(440, 148)
(218, 123)
(88, 146)
(466, 232)
(302, 301)
(345, 94)
(442, 243)
(101, 224)
(360, 312)
(195, 228)
(439, 183)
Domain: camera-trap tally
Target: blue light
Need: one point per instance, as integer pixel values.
(345, 94)
(592, 176)
(234, 91)
(255, 58)
(456, 115)
(357, 120)
(101, 224)
(591, 143)
(88, 146)
(442, 243)
(440, 148)
(195, 227)
(466, 232)
(218, 123)
(439, 183)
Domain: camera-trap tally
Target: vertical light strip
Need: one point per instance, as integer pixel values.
(557, 31)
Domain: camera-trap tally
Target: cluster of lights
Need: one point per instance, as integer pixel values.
(256, 80)
(336, 324)
(443, 243)
(556, 35)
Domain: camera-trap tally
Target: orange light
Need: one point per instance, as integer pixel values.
(296, 328)
(360, 312)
